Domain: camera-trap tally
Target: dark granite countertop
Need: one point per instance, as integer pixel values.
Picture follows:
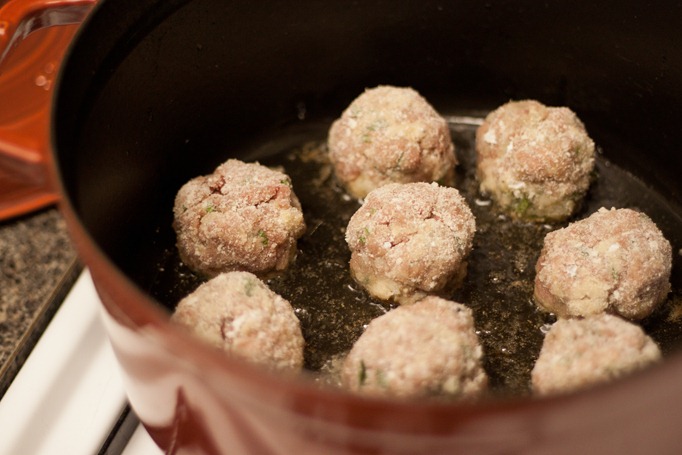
(38, 266)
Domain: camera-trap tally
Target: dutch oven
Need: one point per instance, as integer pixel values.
(155, 92)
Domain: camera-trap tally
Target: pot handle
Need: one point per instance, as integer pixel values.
(26, 73)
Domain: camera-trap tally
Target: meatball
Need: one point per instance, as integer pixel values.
(244, 216)
(390, 134)
(238, 313)
(409, 240)
(615, 261)
(581, 352)
(534, 161)
(429, 348)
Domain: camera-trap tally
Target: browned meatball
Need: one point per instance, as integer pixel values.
(238, 313)
(244, 216)
(615, 261)
(429, 348)
(390, 134)
(534, 161)
(410, 240)
(580, 352)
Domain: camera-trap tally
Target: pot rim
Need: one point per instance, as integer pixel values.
(138, 311)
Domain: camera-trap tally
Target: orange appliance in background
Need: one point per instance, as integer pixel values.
(28, 74)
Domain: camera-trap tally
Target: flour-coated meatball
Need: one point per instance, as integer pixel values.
(390, 134)
(426, 349)
(534, 161)
(614, 261)
(238, 313)
(244, 216)
(410, 240)
(577, 353)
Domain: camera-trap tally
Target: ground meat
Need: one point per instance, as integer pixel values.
(615, 261)
(534, 161)
(390, 134)
(410, 240)
(429, 348)
(581, 352)
(238, 313)
(244, 216)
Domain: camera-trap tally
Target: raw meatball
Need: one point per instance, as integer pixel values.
(238, 313)
(390, 134)
(581, 352)
(534, 161)
(409, 240)
(615, 261)
(429, 348)
(244, 216)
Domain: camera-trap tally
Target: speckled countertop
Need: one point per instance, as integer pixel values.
(38, 265)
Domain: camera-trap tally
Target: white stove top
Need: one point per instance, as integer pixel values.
(68, 396)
